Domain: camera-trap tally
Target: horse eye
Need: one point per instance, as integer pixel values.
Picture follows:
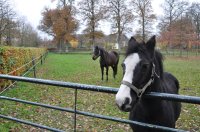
(145, 66)
(123, 65)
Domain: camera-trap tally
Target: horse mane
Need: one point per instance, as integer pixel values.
(158, 60)
(102, 49)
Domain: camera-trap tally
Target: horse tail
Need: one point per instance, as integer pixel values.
(116, 64)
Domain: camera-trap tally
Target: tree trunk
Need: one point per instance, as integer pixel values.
(60, 46)
(119, 41)
(119, 29)
(0, 38)
(93, 24)
(143, 29)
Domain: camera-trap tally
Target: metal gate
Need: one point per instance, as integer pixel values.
(77, 86)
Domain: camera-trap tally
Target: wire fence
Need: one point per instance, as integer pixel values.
(181, 52)
(34, 62)
(77, 86)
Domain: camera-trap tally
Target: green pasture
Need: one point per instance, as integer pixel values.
(80, 68)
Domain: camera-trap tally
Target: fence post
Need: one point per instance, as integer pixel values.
(41, 57)
(75, 101)
(197, 50)
(45, 55)
(34, 69)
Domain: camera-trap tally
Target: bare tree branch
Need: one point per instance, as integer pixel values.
(92, 12)
(121, 17)
(145, 15)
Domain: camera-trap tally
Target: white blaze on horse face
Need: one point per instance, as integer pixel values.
(124, 91)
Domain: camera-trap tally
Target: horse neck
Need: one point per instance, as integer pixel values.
(158, 63)
(155, 86)
(103, 53)
(152, 105)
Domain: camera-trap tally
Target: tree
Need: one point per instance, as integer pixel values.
(97, 34)
(194, 13)
(121, 16)
(15, 31)
(144, 13)
(59, 23)
(92, 12)
(8, 33)
(6, 20)
(63, 3)
(173, 10)
(182, 33)
(21, 25)
(11, 25)
(24, 34)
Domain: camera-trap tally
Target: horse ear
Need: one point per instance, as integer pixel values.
(151, 43)
(96, 47)
(131, 41)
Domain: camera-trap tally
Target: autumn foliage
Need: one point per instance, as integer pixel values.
(12, 58)
(181, 34)
(59, 23)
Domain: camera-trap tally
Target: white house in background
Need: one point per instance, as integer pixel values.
(109, 40)
(116, 46)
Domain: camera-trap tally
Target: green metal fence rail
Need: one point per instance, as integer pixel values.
(77, 86)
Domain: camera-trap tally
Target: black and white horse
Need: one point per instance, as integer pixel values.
(106, 59)
(143, 72)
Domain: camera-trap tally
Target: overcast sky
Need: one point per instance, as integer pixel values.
(31, 10)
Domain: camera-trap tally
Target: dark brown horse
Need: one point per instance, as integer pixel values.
(106, 59)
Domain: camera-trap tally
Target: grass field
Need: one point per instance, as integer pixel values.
(82, 69)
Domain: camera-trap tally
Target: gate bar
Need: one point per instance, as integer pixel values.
(96, 115)
(30, 123)
(61, 84)
(173, 97)
(164, 96)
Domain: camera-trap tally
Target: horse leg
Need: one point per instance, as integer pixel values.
(102, 70)
(113, 71)
(107, 73)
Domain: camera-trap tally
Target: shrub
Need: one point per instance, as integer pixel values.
(11, 58)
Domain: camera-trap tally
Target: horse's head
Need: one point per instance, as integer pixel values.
(96, 53)
(139, 72)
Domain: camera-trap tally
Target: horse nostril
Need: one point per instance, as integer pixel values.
(126, 102)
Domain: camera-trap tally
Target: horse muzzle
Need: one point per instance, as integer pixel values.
(124, 105)
(94, 57)
(125, 108)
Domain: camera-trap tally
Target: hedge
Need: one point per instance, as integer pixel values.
(11, 58)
